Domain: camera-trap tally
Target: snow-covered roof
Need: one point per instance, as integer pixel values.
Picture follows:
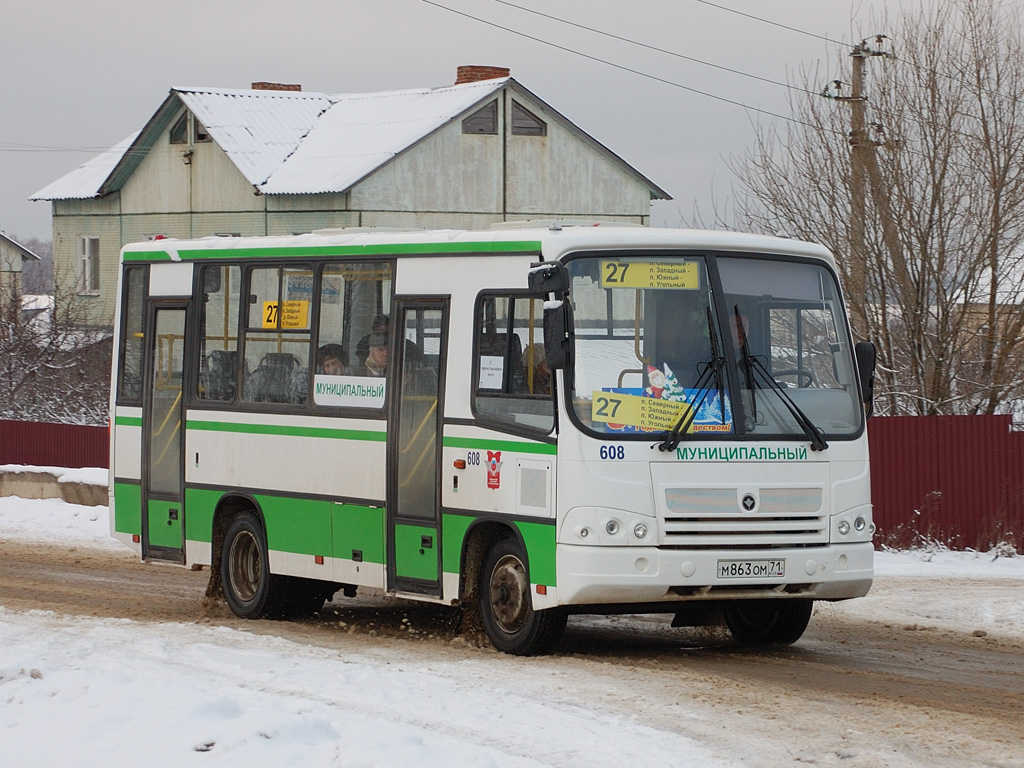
(86, 180)
(362, 132)
(25, 252)
(293, 142)
(258, 130)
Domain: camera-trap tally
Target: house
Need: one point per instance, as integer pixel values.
(277, 160)
(12, 257)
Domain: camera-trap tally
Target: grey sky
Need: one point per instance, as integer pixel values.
(80, 77)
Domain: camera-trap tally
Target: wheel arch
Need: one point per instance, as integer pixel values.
(229, 505)
(479, 538)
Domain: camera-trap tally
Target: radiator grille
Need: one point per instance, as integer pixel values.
(714, 517)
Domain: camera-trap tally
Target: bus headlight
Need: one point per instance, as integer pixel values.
(844, 527)
(597, 526)
(859, 524)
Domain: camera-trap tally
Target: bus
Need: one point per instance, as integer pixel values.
(530, 422)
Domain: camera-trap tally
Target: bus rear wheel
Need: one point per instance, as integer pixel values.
(245, 569)
(506, 608)
(768, 622)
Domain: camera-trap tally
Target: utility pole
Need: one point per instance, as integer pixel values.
(863, 168)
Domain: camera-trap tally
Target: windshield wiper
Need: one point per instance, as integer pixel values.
(756, 367)
(712, 372)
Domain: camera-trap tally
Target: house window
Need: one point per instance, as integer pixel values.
(525, 123)
(201, 133)
(179, 132)
(484, 120)
(88, 264)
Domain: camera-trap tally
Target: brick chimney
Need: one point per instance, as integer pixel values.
(276, 87)
(472, 74)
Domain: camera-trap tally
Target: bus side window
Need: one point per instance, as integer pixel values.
(353, 301)
(277, 335)
(218, 333)
(513, 384)
(132, 346)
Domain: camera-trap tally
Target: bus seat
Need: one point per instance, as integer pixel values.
(221, 367)
(274, 380)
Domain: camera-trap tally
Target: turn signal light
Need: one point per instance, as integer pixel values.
(460, 463)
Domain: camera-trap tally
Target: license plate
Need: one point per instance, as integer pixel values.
(751, 569)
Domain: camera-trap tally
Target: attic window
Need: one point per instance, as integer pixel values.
(179, 133)
(484, 120)
(525, 123)
(201, 134)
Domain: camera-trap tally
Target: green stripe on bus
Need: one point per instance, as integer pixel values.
(128, 508)
(540, 551)
(377, 249)
(512, 446)
(147, 256)
(289, 431)
(200, 504)
(299, 526)
(414, 560)
(127, 421)
(538, 537)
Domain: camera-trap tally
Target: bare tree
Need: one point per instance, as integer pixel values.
(37, 276)
(53, 367)
(930, 237)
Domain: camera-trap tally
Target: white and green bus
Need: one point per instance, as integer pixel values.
(533, 422)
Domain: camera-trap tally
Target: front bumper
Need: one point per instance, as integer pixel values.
(589, 575)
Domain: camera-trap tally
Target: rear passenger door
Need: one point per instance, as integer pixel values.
(418, 347)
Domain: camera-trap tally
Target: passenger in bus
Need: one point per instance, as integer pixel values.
(377, 356)
(331, 360)
(381, 325)
(539, 382)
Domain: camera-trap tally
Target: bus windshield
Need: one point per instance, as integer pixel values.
(711, 345)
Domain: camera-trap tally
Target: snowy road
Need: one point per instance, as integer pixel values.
(926, 671)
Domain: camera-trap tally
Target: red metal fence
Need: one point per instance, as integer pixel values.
(53, 445)
(958, 480)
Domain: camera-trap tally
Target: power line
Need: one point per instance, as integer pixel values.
(620, 66)
(774, 23)
(657, 49)
(11, 146)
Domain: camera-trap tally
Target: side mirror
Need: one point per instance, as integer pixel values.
(866, 357)
(548, 277)
(556, 334)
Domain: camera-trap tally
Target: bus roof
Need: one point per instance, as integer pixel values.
(553, 242)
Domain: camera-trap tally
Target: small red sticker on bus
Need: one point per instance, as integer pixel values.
(493, 469)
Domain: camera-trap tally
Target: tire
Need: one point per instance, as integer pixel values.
(768, 622)
(506, 608)
(245, 571)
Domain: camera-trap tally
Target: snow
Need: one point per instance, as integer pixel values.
(86, 691)
(89, 475)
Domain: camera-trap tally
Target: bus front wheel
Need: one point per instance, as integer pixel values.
(245, 570)
(768, 622)
(506, 608)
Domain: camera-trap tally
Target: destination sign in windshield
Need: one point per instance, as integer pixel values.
(677, 275)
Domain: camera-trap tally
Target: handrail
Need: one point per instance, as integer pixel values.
(420, 428)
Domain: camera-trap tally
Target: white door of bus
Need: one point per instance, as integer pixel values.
(162, 510)
(414, 500)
